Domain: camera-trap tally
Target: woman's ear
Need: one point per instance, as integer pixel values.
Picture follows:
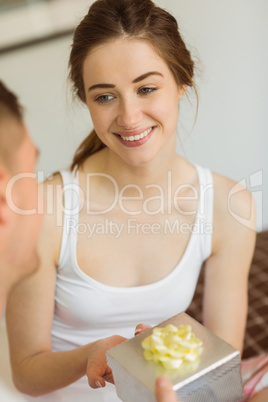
(182, 89)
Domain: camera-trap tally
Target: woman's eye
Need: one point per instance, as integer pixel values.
(104, 98)
(147, 90)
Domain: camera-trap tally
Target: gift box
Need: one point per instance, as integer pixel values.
(214, 377)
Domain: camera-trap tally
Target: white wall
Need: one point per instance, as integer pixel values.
(38, 74)
(230, 39)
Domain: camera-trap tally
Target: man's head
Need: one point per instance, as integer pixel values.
(19, 222)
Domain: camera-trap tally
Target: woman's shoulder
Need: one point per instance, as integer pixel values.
(52, 199)
(53, 180)
(232, 197)
(51, 191)
(234, 208)
(232, 200)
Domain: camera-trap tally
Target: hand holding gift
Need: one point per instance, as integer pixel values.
(98, 371)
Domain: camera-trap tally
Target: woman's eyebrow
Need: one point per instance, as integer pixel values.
(138, 79)
(143, 76)
(101, 86)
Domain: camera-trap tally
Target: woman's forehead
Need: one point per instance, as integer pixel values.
(123, 56)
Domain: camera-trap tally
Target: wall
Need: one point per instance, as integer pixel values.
(229, 40)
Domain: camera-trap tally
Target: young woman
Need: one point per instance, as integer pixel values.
(139, 221)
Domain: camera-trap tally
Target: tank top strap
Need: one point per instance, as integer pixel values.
(205, 209)
(70, 211)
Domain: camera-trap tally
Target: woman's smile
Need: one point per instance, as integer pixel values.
(135, 138)
(133, 106)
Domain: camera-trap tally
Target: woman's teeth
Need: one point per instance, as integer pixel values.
(137, 137)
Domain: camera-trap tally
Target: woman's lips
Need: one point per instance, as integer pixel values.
(136, 137)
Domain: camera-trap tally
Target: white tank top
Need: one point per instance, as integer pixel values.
(87, 310)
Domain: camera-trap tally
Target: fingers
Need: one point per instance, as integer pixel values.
(97, 369)
(97, 364)
(164, 391)
(141, 328)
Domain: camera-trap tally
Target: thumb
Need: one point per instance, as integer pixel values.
(98, 370)
(141, 328)
(164, 391)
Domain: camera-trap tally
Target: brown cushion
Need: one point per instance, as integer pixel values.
(256, 338)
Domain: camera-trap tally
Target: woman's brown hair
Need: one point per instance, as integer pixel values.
(111, 19)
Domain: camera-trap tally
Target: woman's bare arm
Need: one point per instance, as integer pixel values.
(29, 315)
(226, 271)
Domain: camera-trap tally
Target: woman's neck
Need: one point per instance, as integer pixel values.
(106, 177)
(153, 172)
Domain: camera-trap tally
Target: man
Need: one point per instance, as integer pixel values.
(19, 222)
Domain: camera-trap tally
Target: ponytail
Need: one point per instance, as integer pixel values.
(89, 146)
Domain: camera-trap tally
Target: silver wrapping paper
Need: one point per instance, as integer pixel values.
(214, 378)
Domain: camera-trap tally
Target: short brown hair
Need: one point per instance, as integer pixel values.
(142, 19)
(10, 112)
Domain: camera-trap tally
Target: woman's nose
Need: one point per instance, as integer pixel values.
(129, 114)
